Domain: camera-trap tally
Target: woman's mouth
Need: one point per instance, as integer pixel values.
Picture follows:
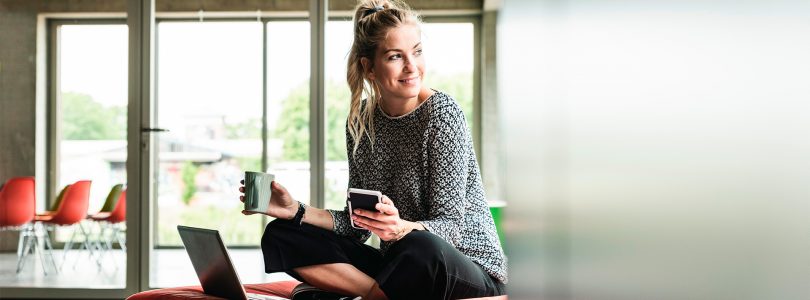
(409, 80)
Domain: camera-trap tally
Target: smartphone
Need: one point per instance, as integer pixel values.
(362, 199)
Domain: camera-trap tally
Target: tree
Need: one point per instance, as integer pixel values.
(293, 126)
(85, 119)
(188, 174)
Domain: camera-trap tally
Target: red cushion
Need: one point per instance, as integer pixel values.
(280, 289)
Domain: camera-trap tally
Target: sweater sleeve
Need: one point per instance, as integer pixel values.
(342, 225)
(448, 157)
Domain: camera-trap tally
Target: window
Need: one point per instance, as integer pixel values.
(209, 97)
(88, 127)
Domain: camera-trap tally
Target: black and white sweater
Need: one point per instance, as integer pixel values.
(425, 163)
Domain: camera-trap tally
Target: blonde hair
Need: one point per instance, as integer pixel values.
(372, 21)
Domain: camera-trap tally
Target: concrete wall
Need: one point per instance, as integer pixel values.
(17, 91)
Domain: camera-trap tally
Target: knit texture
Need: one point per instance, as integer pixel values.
(425, 163)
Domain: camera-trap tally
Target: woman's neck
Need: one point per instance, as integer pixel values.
(400, 107)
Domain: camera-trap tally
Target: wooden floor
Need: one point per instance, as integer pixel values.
(170, 267)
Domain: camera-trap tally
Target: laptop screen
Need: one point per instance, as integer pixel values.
(211, 262)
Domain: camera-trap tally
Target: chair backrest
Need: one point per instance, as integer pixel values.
(58, 201)
(17, 201)
(119, 214)
(74, 204)
(112, 198)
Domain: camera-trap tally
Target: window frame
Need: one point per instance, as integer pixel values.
(135, 279)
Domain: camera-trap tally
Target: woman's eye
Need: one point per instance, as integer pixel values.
(395, 56)
(418, 52)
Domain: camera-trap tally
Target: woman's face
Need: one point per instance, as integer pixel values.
(399, 66)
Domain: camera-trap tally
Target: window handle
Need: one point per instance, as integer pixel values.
(149, 129)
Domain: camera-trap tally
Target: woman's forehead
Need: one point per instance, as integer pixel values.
(401, 38)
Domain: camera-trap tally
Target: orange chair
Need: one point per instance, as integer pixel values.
(56, 203)
(72, 211)
(113, 220)
(17, 209)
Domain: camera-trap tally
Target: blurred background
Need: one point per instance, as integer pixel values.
(653, 149)
(656, 149)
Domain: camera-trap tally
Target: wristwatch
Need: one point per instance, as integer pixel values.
(298, 219)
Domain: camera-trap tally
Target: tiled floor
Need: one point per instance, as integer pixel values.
(170, 267)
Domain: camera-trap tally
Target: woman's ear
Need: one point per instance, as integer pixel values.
(367, 68)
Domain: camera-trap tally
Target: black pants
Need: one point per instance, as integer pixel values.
(419, 266)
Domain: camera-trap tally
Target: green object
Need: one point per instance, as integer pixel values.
(257, 190)
(58, 201)
(112, 198)
(496, 208)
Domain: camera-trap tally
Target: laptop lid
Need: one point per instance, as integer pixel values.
(211, 262)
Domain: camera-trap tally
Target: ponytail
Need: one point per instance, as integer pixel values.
(372, 20)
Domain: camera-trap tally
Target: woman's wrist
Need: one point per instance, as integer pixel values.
(292, 209)
(406, 228)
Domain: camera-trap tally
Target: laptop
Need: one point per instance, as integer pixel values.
(213, 265)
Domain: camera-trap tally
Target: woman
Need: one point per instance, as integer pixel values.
(412, 144)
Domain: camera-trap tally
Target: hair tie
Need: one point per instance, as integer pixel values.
(373, 10)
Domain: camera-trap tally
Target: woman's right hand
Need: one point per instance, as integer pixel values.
(281, 206)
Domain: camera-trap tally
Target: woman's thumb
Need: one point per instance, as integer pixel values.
(278, 187)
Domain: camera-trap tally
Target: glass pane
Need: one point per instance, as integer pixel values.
(209, 95)
(338, 95)
(90, 116)
(449, 51)
(288, 68)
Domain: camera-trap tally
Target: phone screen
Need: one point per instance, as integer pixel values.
(363, 201)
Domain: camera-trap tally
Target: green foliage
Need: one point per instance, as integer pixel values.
(249, 163)
(235, 228)
(85, 119)
(460, 87)
(293, 127)
(188, 174)
(249, 129)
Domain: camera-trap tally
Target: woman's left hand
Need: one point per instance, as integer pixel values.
(386, 223)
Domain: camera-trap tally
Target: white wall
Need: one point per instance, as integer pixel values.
(657, 149)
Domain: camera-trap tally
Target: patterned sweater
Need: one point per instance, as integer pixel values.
(425, 163)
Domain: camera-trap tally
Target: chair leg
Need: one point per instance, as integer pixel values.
(49, 248)
(28, 242)
(121, 240)
(39, 253)
(21, 241)
(87, 242)
(68, 246)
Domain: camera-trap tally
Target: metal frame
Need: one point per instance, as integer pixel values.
(53, 103)
(141, 21)
(317, 100)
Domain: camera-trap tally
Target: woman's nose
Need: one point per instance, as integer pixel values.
(409, 65)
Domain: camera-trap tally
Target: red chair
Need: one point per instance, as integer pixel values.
(113, 220)
(72, 211)
(17, 209)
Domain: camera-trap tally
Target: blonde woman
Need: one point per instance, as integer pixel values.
(412, 144)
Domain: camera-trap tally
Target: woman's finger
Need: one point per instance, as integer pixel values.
(242, 181)
(365, 225)
(242, 198)
(387, 200)
(387, 209)
(242, 189)
(368, 221)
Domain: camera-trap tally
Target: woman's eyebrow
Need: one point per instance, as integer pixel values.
(398, 50)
